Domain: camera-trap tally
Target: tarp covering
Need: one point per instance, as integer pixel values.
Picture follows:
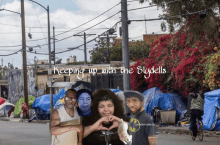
(2, 100)
(115, 90)
(19, 103)
(166, 101)
(43, 102)
(4, 108)
(211, 117)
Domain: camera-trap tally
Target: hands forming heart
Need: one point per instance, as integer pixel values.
(98, 125)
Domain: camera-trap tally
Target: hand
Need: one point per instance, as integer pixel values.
(98, 125)
(115, 121)
(114, 118)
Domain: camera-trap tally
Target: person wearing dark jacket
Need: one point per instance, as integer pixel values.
(197, 110)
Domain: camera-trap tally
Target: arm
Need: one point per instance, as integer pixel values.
(88, 130)
(55, 128)
(80, 135)
(95, 127)
(152, 140)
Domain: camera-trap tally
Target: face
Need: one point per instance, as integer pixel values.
(134, 104)
(69, 103)
(84, 102)
(106, 108)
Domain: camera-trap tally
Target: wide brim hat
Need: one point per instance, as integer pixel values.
(137, 94)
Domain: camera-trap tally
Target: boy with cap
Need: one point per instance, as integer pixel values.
(141, 125)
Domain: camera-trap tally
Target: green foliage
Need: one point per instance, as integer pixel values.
(212, 75)
(101, 53)
(104, 53)
(196, 25)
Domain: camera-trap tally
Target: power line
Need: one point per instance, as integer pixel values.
(39, 22)
(75, 27)
(142, 8)
(152, 5)
(89, 20)
(41, 32)
(77, 46)
(169, 17)
(71, 35)
(11, 53)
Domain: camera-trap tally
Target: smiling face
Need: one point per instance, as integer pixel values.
(134, 104)
(84, 102)
(106, 108)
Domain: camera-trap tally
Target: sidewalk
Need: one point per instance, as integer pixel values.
(186, 131)
(19, 120)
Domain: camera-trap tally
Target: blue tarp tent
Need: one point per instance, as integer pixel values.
(166, 101)
(115, 90)
(211, 117)
(43, 102)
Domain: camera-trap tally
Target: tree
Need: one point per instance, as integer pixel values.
(205, 21)
(104, 53)
(101, 53)
(185, 65)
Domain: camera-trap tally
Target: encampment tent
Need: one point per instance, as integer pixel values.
(4, 108)
(2, 100)
(19, 103)
(43, 102)
(166, 101)
(211, 117)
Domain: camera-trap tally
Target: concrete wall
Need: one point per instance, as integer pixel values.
(15, 85)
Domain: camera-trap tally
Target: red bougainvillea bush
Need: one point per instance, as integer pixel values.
(183, 61)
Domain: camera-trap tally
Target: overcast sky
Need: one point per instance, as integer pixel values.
(65, 15)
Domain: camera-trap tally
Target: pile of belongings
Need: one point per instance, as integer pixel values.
(41, 105)
(164, 101)
(5, 107)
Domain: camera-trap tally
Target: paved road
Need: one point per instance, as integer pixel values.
(17, 133)
(168, 139)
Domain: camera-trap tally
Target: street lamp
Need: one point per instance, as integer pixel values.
(10, 11)
(49, 49)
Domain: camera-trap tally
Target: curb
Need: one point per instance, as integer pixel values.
(4, 119)
(40, 121)
(188, 132)
(20, 120)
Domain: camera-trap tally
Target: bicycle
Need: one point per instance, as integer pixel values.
(199, 125)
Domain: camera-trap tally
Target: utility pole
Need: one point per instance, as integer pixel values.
(108, 40)
(2, 62)
(49, 70)
(85, 51)
(85, 55)
(24, 54)
(36, 79)
(125, 50)
(54, 44)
